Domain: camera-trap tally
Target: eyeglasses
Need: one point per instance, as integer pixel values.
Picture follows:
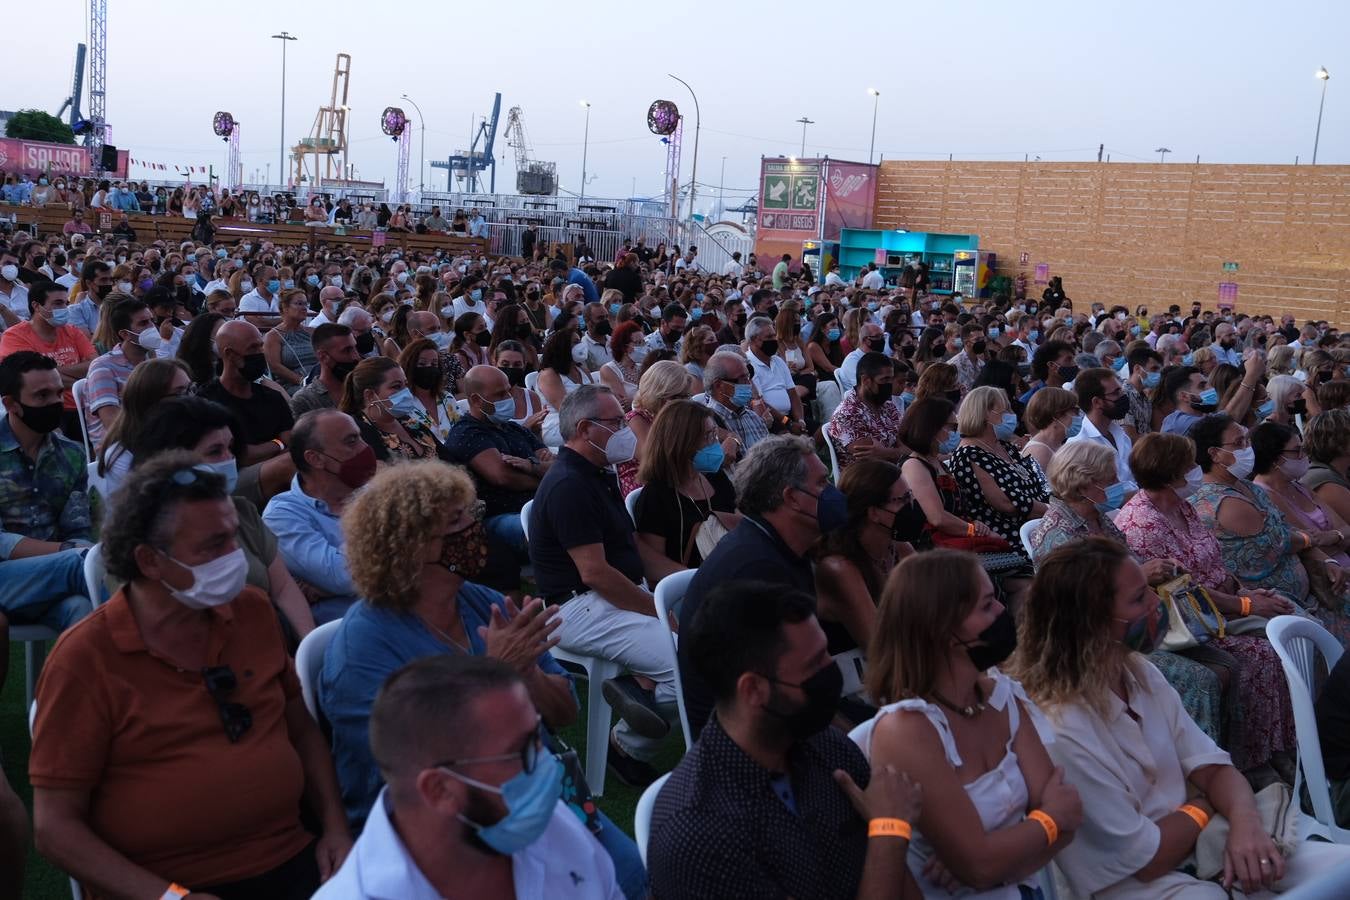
(528, 754)
(220, 683)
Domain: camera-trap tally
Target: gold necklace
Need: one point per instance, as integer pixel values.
(441, 634)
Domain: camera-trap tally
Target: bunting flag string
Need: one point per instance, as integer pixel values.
(165, 167)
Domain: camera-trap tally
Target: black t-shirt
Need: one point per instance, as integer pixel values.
(1333, 721)
(663, 510)
(263, 417)
(470, 437)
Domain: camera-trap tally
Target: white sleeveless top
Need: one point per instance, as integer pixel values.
(999, 795)
(628, 387)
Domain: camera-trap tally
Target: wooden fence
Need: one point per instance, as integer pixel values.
(1145, 233)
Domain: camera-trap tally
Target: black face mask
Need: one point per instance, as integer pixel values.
(909, 523)
(524, 330)
(822, 691)
(514, 374)
(1119, 409)
(979, 347)
(907, 351)
(42, 419)
(882, 393)
(773, 311)
(954, 397)
(254, 367)
(365, 343)
(997, 643)
(1298, 408)
(483, 338)
(426, 377)
(1068, 373)
(876, 344)
(769, 348)
(341, 370)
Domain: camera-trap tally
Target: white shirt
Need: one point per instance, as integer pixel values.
(1122, 449)
(253, 302)
(220, 284)
(463, 306)
(847, 374)
(733, 269)
(774, 380)
(17, 300)
(597, 354)
(68, 281)
(566, 862)
(834, 279)
(691, 265)
(656, 342)
(874, 280)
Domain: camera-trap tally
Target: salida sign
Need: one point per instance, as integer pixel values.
(37, 157)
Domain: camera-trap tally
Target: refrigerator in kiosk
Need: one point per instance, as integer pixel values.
(972, 270)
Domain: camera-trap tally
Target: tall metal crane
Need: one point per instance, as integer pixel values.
(98, 81)
(76, 89)
(466, 164)
(328, 138)
(532, 176)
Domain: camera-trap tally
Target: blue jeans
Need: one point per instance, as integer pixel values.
(507, 552)
(623, 852)
(44, 590)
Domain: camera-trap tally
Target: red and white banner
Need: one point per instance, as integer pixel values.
(38, 157)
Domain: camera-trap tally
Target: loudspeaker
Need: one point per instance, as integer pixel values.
(109, 159)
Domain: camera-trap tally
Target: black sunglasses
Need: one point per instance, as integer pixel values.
(220, 683)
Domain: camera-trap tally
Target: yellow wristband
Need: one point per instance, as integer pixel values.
(1042, 818)
(889, 828)
(1246, 610)
(1195, 814)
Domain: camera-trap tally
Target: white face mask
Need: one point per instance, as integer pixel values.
(1193, 480)
(621, 447)
(579, 353)
(10, 272)
(124, 287)
(1243, 460)
(149, 339)
(1294, 469)
(213, 583)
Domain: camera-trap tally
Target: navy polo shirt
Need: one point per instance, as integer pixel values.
(753, 551)
(470, 436)
(579, 503)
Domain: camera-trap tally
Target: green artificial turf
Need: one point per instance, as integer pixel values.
(42, 881)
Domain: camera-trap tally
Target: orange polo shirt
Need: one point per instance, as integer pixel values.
(168, 789)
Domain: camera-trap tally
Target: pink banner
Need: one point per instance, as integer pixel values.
(37, 157)
(850, 195)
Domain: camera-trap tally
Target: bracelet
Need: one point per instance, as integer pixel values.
(970, 529)
(1246, 611)
(174, 892)
(1195, 814)
(1042, 818)
(280, 446)
(889, 828)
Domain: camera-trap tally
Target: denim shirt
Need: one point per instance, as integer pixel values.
(309, 536)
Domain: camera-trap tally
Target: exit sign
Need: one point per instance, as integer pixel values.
(1230, 267)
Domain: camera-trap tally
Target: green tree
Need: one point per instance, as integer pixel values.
(36, 125)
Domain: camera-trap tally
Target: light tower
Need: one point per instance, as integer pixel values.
(98, 82)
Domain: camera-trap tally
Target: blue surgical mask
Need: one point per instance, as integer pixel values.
(1152, 380)
(741, 396)
(614, 309)
(1188, 359)
(288, 283)
(834, 334)
(710, 458)
(222, 253)
(1135, 329)
(873, 306)
(503, 410)
(312, 280)
(1209, 397)
(1006, 427)
(1075, 426)
(60, 316)
(530, 799)
(476, 294)
(402, 404)
(1115, 497)
(995, 332)
(696, 313)
(273, 285)
(950, 442)
(192, 257)
(698, 297)
(1120, 364)
(227, 469)
(1265, 409)
(441, 339)
(907, 397)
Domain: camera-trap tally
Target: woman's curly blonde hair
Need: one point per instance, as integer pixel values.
(387, 525)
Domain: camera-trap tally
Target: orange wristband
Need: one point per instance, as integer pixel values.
(970, 529)
(174, 892)
(1246, 611)
(1195, 814)
(889, 828)
(1042, 818)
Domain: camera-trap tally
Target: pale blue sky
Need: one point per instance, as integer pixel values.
(1232, 82)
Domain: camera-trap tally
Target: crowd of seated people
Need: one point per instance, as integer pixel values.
(268, 438)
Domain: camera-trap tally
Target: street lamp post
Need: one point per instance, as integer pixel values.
(1162, 153)
(804, 121)
(1324, 76)
(585, 146)
(422, 162)
(693, 176)
(876, 99)
(285, 37)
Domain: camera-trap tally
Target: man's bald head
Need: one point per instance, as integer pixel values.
(489, 381)
(423, 322)
(330, 294)
(238, 335)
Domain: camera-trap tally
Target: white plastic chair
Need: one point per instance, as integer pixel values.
(97, 483)
(852, 664)
(1025, 533)
(532, 383)
(35, 638)
(598, 714)
(834, 455)
(631, 503)
(81, 410)
(642, 816)
(669, 592)
(75, 891)
(309, 663)
(94, 573)
(1297, 641)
